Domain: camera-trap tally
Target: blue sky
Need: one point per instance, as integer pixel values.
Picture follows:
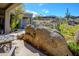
(57, 9)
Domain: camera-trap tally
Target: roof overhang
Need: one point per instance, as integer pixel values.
(5, 5)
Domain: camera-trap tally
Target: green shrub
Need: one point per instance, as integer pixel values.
(13, 24)
(18, 24)
(74, 48)
(68, 30)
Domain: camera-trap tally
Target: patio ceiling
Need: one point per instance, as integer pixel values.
(5, 5)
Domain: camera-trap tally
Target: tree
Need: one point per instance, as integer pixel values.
(12, 22)
(19, 14)
(67, 14)
(17, 17)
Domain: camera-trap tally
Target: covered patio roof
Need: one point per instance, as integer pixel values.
(5, 5)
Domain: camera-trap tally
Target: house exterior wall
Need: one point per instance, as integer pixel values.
(27, 19)
(23, 23)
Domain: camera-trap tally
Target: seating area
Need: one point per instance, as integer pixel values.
(6, 47)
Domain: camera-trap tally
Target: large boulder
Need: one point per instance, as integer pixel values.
(30, 30)
(51, 42)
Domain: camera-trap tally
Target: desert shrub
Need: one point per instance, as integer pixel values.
(74, 48)
(18, 24)
(55, 27)
(68, 30)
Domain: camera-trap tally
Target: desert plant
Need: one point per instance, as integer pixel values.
(74, 48)
(68, 30)
(18, 24)
(16, 18)
(67, 14)
(13, 23)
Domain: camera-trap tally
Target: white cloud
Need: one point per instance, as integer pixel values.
(41, 4)
(31, 12)
(45, 11)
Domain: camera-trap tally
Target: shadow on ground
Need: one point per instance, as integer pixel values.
(32, 49)
(2, 50)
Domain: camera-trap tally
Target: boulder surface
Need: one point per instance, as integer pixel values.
(51, 42)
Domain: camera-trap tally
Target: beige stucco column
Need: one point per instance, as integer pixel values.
(7, 22)
(7, 17)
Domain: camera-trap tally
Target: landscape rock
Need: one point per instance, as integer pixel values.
(30, 30)
(51, 42)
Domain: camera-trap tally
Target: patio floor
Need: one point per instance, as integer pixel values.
(22, 48)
